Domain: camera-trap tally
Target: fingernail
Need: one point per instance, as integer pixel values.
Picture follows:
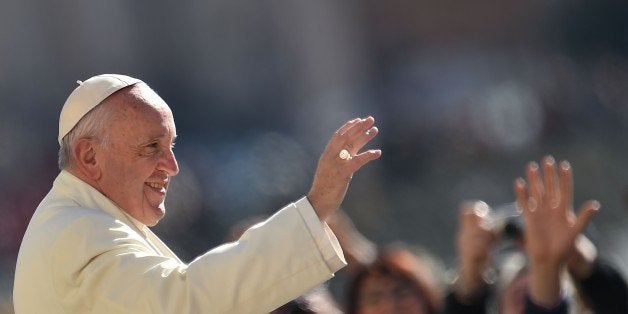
(565, 165)
(533, 165)
(549, 160)
(596, 205)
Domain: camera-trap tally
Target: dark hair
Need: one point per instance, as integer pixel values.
(401, 263)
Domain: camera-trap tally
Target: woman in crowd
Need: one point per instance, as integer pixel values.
(398, 281)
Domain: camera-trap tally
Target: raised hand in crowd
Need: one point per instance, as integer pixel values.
(551, 226)
(474, 244)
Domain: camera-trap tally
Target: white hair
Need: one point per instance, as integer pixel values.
(92, 125)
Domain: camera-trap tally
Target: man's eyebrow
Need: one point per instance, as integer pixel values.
(149, 141)
(157, 139)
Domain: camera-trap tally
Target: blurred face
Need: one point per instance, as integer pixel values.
(137, 163)
(381, 294)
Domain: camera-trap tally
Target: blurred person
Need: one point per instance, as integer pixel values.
(88, 248)
(492, 275)
(397, 281)
(492, 265)
(531, 280)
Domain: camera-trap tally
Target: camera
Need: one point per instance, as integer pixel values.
(506, 221)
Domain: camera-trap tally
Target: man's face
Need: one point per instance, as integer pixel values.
(138, 161)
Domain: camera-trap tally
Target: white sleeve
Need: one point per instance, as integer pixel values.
(272, 263)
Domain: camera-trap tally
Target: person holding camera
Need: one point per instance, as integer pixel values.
(551, 241)
(491, 263)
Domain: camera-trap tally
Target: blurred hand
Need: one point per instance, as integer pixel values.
(551, 225)
(358, 250)
(474, 243)
(333, 174)
(580, 261)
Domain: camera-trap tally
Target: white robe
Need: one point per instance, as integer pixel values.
(83, 254)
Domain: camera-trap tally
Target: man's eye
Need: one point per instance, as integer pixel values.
(149, 149)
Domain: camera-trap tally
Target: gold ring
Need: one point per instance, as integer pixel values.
(344, 155)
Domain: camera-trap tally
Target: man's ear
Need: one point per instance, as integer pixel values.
(84, 153)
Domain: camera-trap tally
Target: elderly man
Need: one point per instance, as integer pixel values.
(87, 248)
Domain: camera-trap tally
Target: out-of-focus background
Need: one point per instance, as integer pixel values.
(465, 93)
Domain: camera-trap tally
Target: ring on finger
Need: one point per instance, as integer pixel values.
(344, 154)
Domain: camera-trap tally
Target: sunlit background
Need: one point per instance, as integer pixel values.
(464, 93)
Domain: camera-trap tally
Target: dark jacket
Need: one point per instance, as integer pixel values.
(605, 292)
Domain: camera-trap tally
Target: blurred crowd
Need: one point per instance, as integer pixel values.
(502, 259)
(464, 93)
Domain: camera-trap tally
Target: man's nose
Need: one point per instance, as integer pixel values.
(168, 163)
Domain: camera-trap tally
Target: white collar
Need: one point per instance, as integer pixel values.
(86, 195)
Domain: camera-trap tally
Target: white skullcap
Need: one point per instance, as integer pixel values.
(88, 95)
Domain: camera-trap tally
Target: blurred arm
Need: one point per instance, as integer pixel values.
(601, 285)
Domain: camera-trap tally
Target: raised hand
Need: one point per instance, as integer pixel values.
(551, 224)
(474, 243)
(340, 159)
